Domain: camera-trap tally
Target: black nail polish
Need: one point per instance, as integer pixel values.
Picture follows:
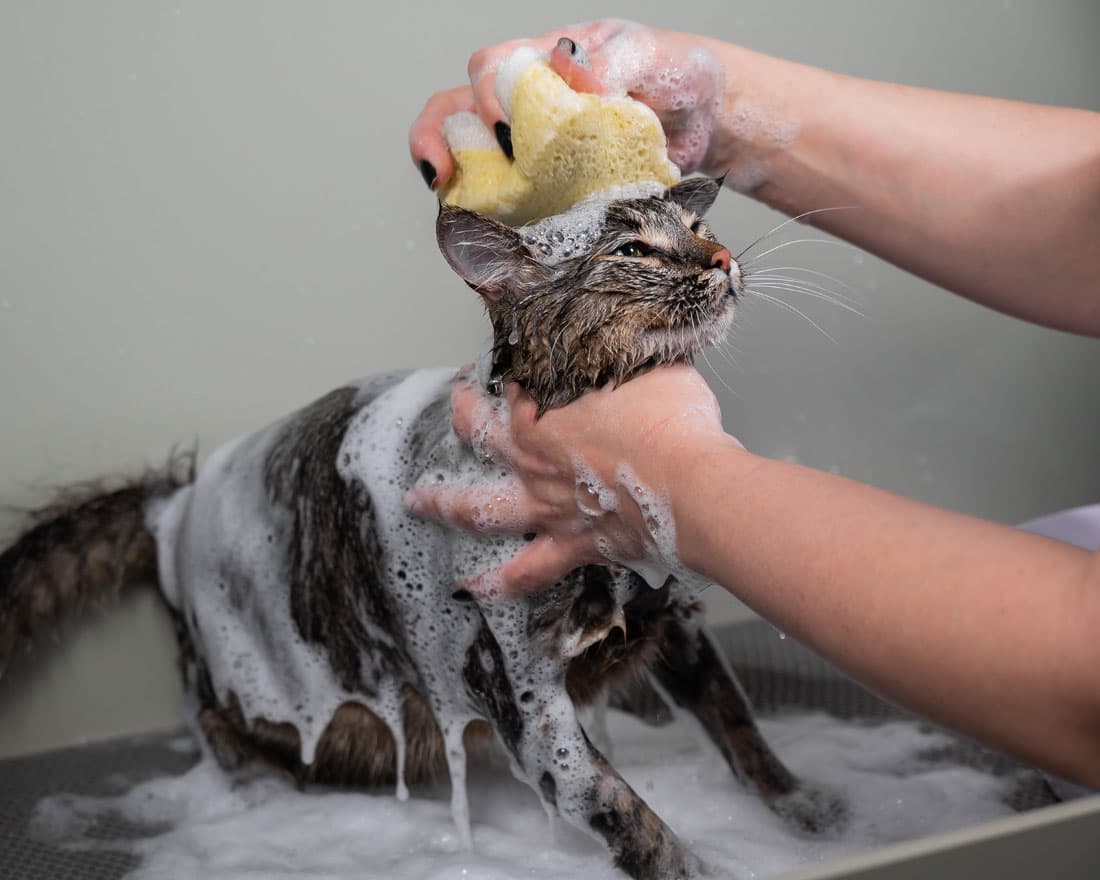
(528, 536)
(427, 169)
(503, 131)
(568, 45)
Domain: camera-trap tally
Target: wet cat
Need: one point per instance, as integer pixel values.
(326, 631)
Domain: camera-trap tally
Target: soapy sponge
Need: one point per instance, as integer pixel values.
(567, 146)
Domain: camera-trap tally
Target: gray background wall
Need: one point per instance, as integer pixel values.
(207, 218)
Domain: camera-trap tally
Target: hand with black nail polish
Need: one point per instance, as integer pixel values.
(503, 132)
(427, 170)
(630, 58)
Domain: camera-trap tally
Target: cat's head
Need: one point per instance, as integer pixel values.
(606, 290)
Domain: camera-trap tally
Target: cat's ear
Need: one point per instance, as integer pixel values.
(696, 194)
(486, 254)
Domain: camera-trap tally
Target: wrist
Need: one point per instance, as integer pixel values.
(699, 496)
(764, 105)
(661, 490)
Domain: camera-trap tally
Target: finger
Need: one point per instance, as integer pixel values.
(482, 422)
(538, 566)
(426, 144)
(482, 71)
(466, 394)
(500, 509)
(569, 61)
(520, 403)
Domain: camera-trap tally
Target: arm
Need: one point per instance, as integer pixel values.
(984, 628)
(998, 201)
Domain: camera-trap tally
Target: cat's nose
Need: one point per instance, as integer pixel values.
(721, 259)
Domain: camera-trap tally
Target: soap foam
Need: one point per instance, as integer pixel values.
(563, 236)
(748, 122)
(688, 92)
(220, 555)
(509, 72)
(222, 829)
(693, 97)
(465, 130)
(660, 560)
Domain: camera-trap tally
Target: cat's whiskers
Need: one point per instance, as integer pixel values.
(565, 350)
(797, 285)
(794, 219)
(726, 348)
(833, 278)
(772, 273)
(749, 263)
(706, 359)
(786, 305)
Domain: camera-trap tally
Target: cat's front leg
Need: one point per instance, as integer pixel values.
(536, 722)
(694, 675)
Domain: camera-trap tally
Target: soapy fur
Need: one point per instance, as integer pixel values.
(328, 633)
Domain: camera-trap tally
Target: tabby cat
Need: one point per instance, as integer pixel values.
(326, 631)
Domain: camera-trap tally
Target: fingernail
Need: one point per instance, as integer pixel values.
(427, 169)
(503, 131)
(412, 501)
(529, 536)
(567, 45)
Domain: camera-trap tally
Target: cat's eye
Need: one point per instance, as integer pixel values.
(631, 249)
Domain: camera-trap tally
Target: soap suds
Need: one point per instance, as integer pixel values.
(466, 130)
(228, 830)
(691, 94)
(661, 560)
(562, 236)
(593, 497)
(509, 72)
(748, 122)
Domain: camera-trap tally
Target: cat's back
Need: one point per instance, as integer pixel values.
(251, 481)
(271, 558)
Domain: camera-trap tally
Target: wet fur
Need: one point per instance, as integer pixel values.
(620, 315)
(81, 549)
(597, 317)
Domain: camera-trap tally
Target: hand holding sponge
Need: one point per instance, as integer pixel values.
(567, 146)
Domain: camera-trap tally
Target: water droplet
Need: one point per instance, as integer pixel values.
(513, 337)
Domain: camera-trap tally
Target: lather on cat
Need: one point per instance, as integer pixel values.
(327, 632)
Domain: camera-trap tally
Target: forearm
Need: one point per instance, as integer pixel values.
(984, 628)
(996, 200)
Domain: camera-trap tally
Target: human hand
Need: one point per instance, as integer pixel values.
(677, 75)
(587, 481)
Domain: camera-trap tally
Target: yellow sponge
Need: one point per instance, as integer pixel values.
(567, 145)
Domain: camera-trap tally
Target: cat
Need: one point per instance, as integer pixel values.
(327, 632)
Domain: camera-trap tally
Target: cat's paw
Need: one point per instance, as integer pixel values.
(812, 809)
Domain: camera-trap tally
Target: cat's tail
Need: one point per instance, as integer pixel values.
(80, 549)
